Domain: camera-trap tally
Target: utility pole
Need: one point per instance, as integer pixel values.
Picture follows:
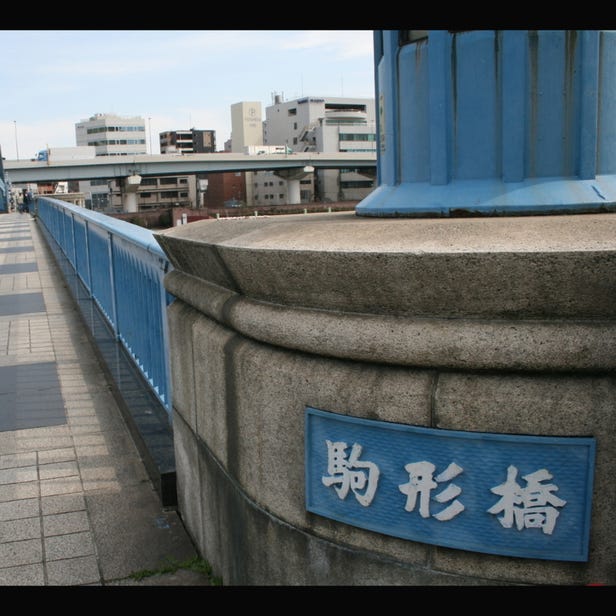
(16, 144)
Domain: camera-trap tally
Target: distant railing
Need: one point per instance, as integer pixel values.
(122, 266)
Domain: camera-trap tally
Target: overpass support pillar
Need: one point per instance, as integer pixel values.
(293, 177)
(293, 192)
(130, 185)
(129, 202)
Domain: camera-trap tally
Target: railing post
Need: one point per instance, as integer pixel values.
(114, 299)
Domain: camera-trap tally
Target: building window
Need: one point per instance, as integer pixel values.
(357, 184)
(357, 137)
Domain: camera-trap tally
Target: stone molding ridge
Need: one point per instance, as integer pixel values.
(437, 343)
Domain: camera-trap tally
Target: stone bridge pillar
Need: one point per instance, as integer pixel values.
(420, 392)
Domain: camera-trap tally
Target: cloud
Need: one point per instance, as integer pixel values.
(344, 44)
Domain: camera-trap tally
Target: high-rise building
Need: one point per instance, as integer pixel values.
(246, 130)
(320, 124)
(246, 126)
(113, 135)
(191, 141)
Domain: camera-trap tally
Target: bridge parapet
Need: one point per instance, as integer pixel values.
(122, 267)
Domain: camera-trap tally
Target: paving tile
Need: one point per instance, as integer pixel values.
(60, 485)
(68, 546)
(16, 509)
(18, 459)
(49, 456)
(65, 523)
(24, 552)
(53, 470)
(78, 571)
(18, 475)
(62, 503)
(87, 440)
(23, 575)
(89, 451)
(21, 303)
(18, 530)
(17, 491)
(44, 442)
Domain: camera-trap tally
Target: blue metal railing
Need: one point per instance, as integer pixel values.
(122, 266)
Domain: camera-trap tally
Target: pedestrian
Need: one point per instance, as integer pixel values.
(27, 198)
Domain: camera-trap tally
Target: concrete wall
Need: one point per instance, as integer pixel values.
(499, 325)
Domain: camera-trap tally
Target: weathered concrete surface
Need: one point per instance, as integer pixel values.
(499, 325)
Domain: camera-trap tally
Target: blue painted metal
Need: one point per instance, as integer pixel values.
(491, 122)
(102, 288)
(512, 495)
(123, 267)
(4, 188)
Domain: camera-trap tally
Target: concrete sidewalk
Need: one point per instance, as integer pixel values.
(77, 506)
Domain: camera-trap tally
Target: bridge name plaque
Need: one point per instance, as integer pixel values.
(512, 495)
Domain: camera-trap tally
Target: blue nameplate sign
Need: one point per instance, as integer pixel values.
(513, 495)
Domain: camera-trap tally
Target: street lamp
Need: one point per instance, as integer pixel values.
(16, 144)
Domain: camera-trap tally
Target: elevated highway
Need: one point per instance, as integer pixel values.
(171, 164)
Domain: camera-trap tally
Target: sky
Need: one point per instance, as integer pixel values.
(173, 79)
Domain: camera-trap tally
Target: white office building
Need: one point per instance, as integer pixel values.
(246, 130)
(321, 124)
(112, 135)
(246, 125)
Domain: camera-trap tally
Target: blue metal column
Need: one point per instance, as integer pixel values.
(494, 122)
(4, 189)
